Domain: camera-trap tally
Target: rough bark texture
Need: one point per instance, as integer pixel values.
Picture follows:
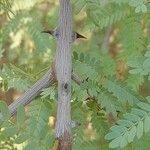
(30, 94)
(63, 74)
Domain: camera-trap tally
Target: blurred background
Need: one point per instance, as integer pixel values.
(117, 38)
(23, 45)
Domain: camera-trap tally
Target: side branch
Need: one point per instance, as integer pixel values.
(30, 94)
(46, 81)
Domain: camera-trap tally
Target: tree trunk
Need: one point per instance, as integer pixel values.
(63, 75)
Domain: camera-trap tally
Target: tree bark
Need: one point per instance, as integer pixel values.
(63, 75)
(47, 80)
(30, 94)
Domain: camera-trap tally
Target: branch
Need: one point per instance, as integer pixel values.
(63, 74)
(30, 94)
(46, 81)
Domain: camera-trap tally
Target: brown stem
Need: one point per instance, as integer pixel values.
(64, 142)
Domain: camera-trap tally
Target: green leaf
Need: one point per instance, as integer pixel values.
(115, 143)
(112, 135)
(49, 140)
(22, 138)
(1, 52)
(144, 8)
(20, 116)
(131, 117)
(121, 92)
(10, 131)
(82, 57)
(146, 124)
(138, 9)
(149, 77)
(104, 16)
(144, 106)
(79, 5)
(138, 112)
(139, 131)
(146, 63)
(148, 99)
(123, 141)
(117, 128)
(75, 55)
(126, 123)
(108, 65)
(135, 81)
(136, 62)
(136, 71)
(32, 145)
(131, 134)
(147, 54)
(93, 92)
(4, 110)
(18, 83)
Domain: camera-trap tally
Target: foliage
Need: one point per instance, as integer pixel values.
(134, 124)
(111, 107)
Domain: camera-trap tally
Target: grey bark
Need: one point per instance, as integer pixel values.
(63, 71)
(46, 81)
(30, 94)
(63, 74)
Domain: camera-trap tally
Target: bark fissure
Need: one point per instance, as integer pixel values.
(30, 94)
(48, 79)
(63, 75)
(62, 72)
